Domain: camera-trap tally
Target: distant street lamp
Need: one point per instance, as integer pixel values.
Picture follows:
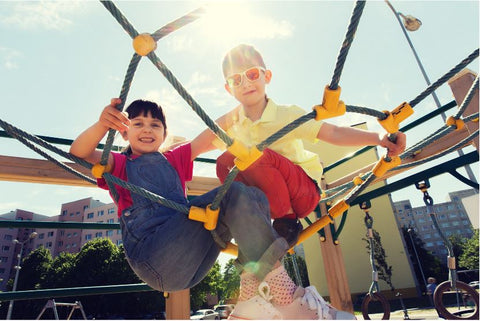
(18, 267)
(411, 23)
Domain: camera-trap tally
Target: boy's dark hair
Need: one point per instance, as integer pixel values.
(143, 107)
(241, 56)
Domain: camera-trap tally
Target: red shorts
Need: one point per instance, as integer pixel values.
(285, 184)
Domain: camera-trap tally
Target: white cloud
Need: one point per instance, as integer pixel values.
(48, 15)
(8, 58)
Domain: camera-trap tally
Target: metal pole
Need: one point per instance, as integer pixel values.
(416, 255)
(470, 174)
(18, 267)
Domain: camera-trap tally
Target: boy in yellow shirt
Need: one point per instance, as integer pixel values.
(287, 173)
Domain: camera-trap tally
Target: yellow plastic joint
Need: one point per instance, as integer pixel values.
(231, 249)
(357, 180)
(458, 123)
(395, 117)
(143, 44)
(206, 215)
(98, 170)
(339, 208)
(383, 165)
(244, 156)
(331, 106)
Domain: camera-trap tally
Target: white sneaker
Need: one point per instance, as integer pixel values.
(309, 305)
(256, 308)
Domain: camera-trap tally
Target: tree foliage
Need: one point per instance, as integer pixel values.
(380, 257)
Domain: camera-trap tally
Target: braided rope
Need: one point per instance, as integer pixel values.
(178, 23)
(444, 78)
(127, 26)
(17, 134)
(467, 99)
(366, 111)
(352, 28)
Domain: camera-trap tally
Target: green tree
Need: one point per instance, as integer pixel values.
(231, 282)
(60, 273)
(288, 262)
(34, 268)
(211, 284)
(469, 257)
(384, 270)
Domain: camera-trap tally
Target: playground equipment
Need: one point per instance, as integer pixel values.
(331, 106)
(51, 304)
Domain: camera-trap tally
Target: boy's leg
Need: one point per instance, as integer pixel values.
(288, 188)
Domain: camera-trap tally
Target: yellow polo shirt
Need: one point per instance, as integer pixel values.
(291, 146)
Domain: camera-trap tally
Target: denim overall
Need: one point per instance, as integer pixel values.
(170, 252)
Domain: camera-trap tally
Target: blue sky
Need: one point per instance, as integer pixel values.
(61, 62)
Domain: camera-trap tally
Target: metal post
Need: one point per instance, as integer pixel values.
(17, 267)
(416, 255)
(470, 174)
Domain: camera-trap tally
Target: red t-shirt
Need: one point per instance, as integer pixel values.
(179, 158)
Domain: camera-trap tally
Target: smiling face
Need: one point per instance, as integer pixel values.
(147, 130)
(145, 134)
(245, 65)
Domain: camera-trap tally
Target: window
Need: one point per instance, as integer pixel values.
(3, 259)
(98, 234)
(111, 210)
(41, 236)
(78, 213)
(90, 215)
(64, 212)
(71, 214)
(100, 213)
(119, 242)
(7, 237)
(427, 236)
(48, 245)
(429, 244)
(60, 243)
(110, 220)
(85, 207)
(2, 271)
(62, 233)
(109, 233)
(88, 237)
(75, 234)
(50, 234)
(69, 235)
(425, 228)
(5, 248)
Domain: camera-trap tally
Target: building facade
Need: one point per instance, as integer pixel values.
(452, 218)
(55, 240)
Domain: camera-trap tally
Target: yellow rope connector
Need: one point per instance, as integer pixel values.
(98, 170)
(458, 123)
(383, 165)
(244, 156)
(357, 180)
(206, 215)
(231, 249)
(339, 208)
(143, 44)
(331, 106)
(394, 118)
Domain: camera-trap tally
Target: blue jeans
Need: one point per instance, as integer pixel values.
(171, 253)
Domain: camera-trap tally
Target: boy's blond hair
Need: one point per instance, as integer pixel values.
(241, 56)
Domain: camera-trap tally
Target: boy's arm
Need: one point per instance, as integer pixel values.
(349, 136)
(204, 141)
(84, 146)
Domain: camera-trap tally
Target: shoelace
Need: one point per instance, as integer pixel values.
(264, 292)
(315, 301)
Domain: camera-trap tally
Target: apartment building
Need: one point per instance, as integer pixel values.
(452, 218)
(14, 240)
(53, 239)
